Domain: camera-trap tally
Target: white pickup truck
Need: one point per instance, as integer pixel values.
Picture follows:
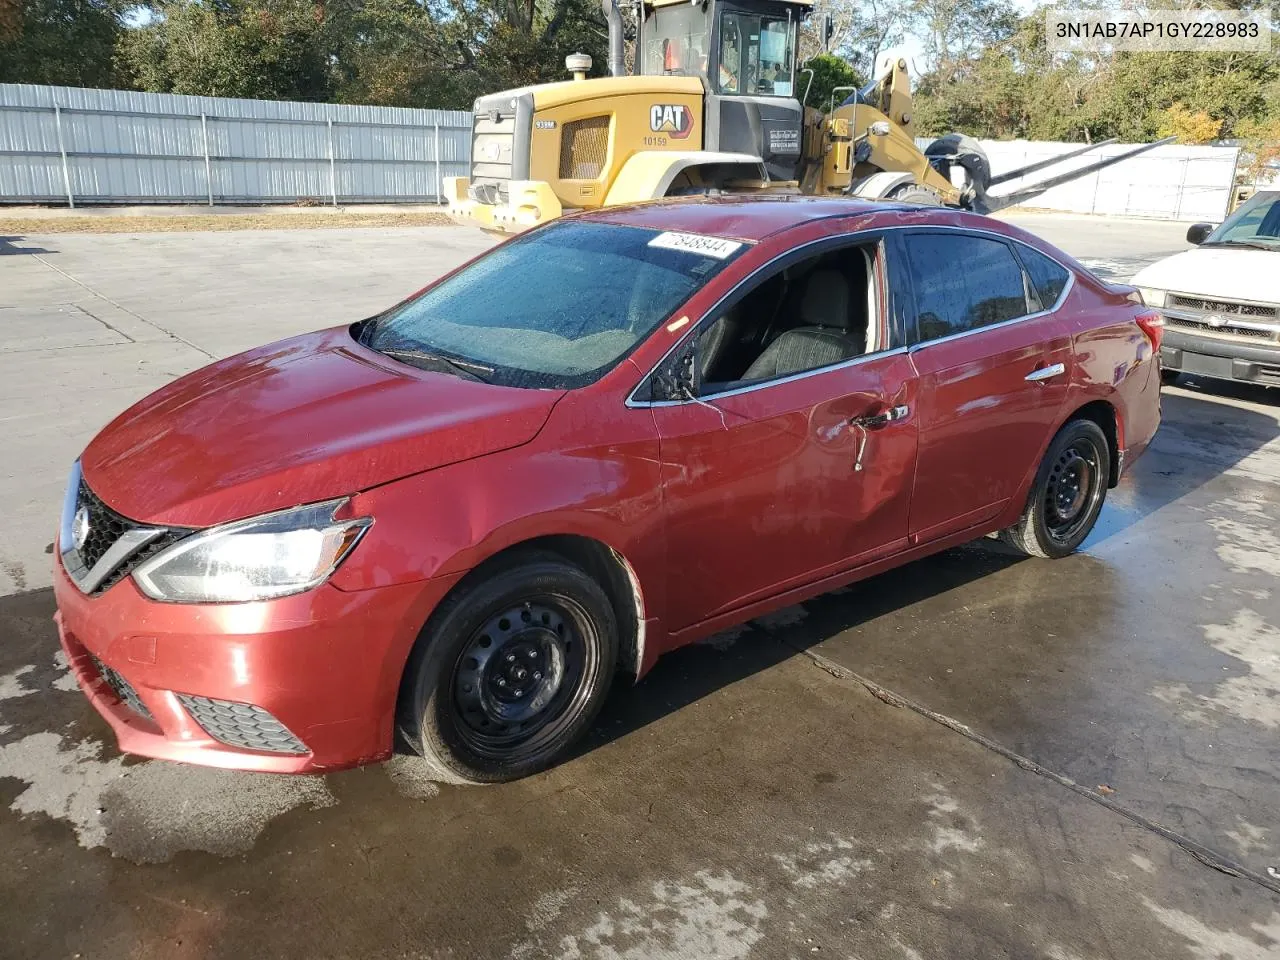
(1221, 301)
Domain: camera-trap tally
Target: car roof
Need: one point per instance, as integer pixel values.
(755, 217)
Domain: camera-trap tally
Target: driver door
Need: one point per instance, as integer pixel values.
(771, 485)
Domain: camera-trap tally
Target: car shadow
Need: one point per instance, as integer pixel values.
(1204, 433)
(8, 248)
(689, 674)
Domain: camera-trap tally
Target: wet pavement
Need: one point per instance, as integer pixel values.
(1089, 750)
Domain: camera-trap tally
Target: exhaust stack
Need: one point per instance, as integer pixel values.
(617, 67)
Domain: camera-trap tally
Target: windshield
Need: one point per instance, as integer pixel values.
(1256, 223)
(556, 307)
(675, 42)
(755, 55)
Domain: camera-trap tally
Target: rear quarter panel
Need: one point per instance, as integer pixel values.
(1114, 362)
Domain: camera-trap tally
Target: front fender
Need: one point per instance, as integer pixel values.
(647, 175)
(593, 471)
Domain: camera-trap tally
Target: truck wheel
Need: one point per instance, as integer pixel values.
(914, 193)
(509, 672)
(1067, 495)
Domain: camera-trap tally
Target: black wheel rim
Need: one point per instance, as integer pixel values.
(523, 677)
(1073, 489)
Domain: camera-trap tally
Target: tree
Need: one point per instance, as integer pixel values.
(1189, 126)
(829, 72)
(274, 50)
(861, 30)
(66, 42)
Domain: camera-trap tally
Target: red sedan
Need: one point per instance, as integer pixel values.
(602, 440)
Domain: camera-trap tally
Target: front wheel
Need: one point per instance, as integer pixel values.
(915, 193)
(510, 672)
(1068, 493)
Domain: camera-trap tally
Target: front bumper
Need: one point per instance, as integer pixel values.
(1220, 358)
(325, 665)
(530, 203)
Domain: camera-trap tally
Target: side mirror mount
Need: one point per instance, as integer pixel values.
(677, 379)
(1198, 233)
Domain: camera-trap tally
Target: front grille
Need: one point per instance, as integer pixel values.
(105, 528)
(122, 689)
(1269, 375)
(241, 725)
(583, 146)
(1229, 308)
(1200, 327)
(490, 192)
(493, 138)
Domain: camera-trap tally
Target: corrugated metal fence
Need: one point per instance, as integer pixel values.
(79, 146)
(1172, 182)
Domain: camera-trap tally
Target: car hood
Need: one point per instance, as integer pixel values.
(303, 420)
(1226, 273)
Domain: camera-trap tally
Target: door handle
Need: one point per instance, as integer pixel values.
(1046, 373)
(874, 420)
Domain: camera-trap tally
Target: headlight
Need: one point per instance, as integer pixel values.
(1151, 297)
(269, 556)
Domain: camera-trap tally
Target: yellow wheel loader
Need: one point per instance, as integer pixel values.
(716, 105)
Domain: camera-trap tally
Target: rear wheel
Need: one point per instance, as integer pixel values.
(1068, 493)
(510, 672)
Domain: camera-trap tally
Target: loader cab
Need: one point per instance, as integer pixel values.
(744, 51)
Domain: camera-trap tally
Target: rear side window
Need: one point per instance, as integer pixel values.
(962, 282)
(1048, 277)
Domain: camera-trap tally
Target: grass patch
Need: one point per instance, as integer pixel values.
(27, 226)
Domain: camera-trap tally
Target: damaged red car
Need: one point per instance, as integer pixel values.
(453, 524)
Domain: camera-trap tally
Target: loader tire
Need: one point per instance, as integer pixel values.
(914, 193)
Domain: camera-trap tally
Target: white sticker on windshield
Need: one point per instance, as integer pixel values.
(696, 243)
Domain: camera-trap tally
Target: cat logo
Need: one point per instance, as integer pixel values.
(673, 119)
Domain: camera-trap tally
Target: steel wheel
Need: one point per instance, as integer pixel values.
(1073, 488)
(518, 675)
(1067, 494)
(510, 670)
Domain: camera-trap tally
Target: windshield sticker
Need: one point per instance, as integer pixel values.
(695, 243)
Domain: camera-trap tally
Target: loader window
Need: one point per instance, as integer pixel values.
(755, 55)
(675, 42)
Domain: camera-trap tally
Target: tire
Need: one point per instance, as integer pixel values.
(1067, 495)
(914, 193)
(972, 157)
(509, 672)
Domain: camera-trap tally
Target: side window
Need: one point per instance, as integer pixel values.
(1048, 277)
(814, 313)
(755, 55)
(963, 282)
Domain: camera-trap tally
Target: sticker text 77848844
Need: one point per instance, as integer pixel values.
(696, 243)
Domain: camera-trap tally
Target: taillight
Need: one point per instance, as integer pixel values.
(1152, 324)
